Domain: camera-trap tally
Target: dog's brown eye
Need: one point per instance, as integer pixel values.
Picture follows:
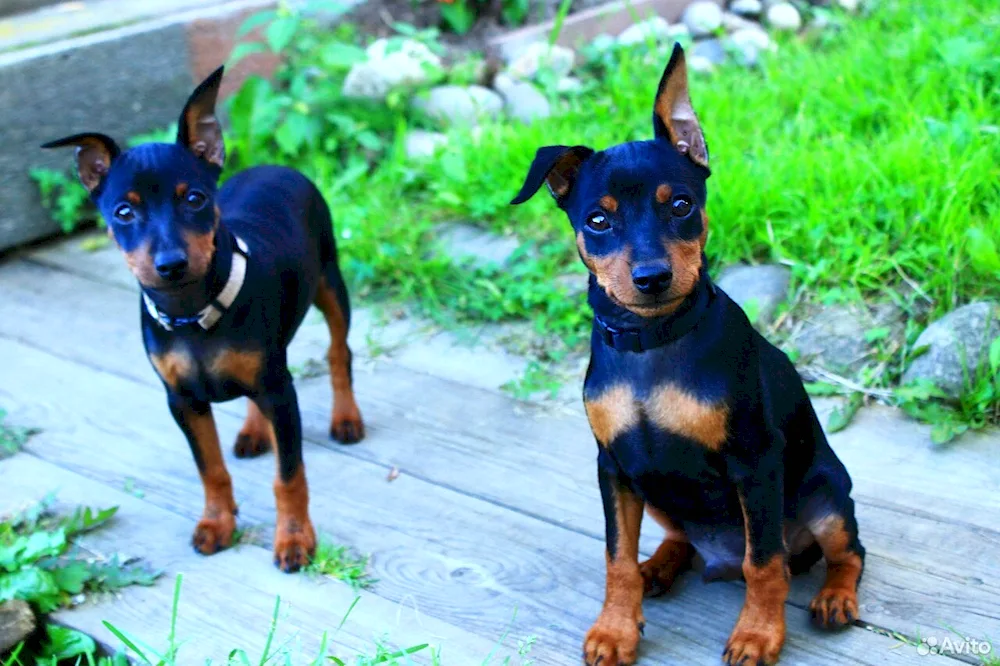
(195, 199)
(680, 207)
(124, 213)
(598, 222)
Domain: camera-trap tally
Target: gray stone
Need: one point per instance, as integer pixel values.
(17, 622)
(575, 284)
(751, 8)
(757, 288)
(957, 343)
(711, 50)
(784, 16)
(460, 105)
(391, 63)
(465, 242)
(835, 339)
(537, 55)
(569, 84)
(122, 84)
(702, 18)
(732, 22)
(603, 43)
(849, 5)
(656, 28)
(421, 144)
(749, 43)
(700, 64)
(678, 32)
(525, 102)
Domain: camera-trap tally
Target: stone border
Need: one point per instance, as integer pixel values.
(610, 18)
(123, 81)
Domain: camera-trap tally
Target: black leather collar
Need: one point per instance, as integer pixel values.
(662, 332)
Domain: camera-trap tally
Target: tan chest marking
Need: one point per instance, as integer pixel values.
(675, 410)
(242, 366)
(173, 366)
(612, 413)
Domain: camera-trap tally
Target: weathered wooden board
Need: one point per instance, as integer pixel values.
(465, 357)
(226, 600)
(462, 560)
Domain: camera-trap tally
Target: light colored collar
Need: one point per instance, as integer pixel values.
(210, 315)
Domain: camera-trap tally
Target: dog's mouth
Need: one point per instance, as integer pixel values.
(654, 306)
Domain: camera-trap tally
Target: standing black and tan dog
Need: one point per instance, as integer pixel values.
(227, 276)
(698, 418)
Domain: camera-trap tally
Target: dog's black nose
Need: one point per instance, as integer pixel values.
(652, 278)
(171, 264)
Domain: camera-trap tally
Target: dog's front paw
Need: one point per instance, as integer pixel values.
(613, 640)
(294, 545)
(249, 445)
(347, 426)
(753, 645)
(834, 608)
(214, 533)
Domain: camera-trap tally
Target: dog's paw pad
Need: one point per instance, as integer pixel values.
(347, 428)
(294, 548)
(834, 608)
(612, 641)
(250, 446)
(214, 534)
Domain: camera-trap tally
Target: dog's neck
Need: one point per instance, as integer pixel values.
(194, 299)
(626, 331)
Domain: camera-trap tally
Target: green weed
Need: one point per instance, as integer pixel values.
(12, 438)
(41, 564)
(340, 562)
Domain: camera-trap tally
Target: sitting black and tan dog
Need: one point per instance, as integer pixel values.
(227, 275)
(698, 418)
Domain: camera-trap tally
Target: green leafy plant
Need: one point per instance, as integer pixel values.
(977, 407)
(39, 564)
(66, 200)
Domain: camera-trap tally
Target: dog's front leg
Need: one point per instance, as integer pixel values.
(215, 529)
(760, 630)
(294, 537)
(614, 638)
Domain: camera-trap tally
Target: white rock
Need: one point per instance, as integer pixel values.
(700, 64)
(381, 49)
(524, 102)
(784, 16)
(537, 55)
(464, 105)
(569, 84)
(679, 31)
(421, 144)
(390, 63)
(603, 42)
(710, 49)
(702, 18)
(733, 22)
(503, 82)
(746, 7)
(849, 5)
(656, 27)
(750, 42)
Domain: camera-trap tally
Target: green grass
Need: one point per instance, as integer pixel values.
(342, 563)
(861, 161)
(80, 649)
(12, 438)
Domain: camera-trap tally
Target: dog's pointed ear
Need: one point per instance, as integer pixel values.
(674, 118)
(94, 155)
(557, 167)
(199, 127)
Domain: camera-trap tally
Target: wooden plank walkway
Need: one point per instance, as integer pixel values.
(496, 509)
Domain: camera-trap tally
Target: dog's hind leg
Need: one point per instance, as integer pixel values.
(836, 604)
(672, 557)
(331, 298)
